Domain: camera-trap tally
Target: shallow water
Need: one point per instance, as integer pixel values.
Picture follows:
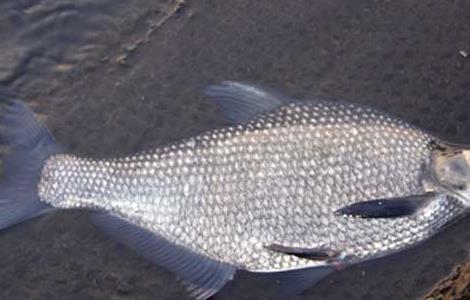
(114, 77)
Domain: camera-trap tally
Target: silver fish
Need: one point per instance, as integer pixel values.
(295, 188)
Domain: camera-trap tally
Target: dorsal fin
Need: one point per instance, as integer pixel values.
(241, 102)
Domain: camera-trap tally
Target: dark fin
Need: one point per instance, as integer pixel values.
(448, 148)
(242, 102)
(308, 253)
(204, 276)
(388, 208)
(291, 283)
(29, 144)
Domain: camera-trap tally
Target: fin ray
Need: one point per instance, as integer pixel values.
(242, 102)
(204, 276)
(29, 145)
(308, 253)
(388, 208)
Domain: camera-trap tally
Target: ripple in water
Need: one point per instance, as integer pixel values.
(43, 40)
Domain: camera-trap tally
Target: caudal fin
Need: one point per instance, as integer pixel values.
(28, 145)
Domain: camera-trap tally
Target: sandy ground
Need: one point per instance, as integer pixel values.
(111, 77)
(455, 286)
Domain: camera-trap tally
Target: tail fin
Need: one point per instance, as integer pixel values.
(29, 144)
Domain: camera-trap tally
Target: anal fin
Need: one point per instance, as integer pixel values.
(204, 276)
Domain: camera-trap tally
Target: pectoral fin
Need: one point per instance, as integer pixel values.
(308, 253)
(388, 208)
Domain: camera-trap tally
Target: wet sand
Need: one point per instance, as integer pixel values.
(455, 286)
(113, 77)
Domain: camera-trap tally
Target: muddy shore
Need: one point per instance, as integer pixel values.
(111, 77)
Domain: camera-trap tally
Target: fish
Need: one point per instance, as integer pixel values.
(293, 188)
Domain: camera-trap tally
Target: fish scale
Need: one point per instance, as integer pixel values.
(293, 188)
(277, 179)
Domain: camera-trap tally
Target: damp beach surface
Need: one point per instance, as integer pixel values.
(114, 77)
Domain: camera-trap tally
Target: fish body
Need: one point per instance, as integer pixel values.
(289, 186)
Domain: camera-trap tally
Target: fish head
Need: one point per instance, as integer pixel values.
(451, 171)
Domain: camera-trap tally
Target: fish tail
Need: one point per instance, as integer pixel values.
(28, 145)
